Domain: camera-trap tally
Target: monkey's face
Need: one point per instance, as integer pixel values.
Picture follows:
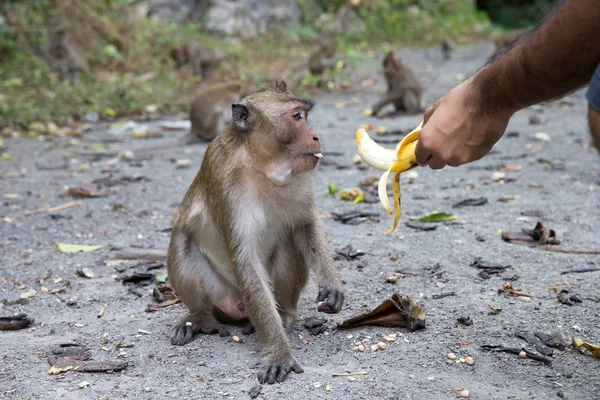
(297, 138)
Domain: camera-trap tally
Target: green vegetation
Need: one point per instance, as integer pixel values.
(128, 57)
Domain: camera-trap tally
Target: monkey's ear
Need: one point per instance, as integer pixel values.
(240, 114)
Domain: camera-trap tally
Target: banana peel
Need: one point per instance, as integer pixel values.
(582, 346)
(399, 160)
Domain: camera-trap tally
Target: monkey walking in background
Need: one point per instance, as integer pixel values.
(322, 58)
(447, 48)
(210, 111)
(247, 233)
(204, 60)
(404, 89)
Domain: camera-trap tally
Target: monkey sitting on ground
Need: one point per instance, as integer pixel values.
(247, 232)
(210, 111)
(404, 88)
(322, 58)
(63, 58)
(204, 60)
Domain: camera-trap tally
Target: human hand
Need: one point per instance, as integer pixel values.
(458, 129)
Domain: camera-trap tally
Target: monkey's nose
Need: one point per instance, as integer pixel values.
(316, 138)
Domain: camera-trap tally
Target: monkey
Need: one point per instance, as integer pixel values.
(404, 88)
(246, 234)
(63, 58)
(321, 59)
(210, 109)
(447, 47)
(204, 60)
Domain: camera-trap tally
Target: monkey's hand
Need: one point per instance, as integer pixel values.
(330, 299)
(277, 371)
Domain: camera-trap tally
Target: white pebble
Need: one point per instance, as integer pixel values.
(381, 346)
(235, 339)
(464, 394)
(452, 356)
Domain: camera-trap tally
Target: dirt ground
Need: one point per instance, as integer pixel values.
(558, 179)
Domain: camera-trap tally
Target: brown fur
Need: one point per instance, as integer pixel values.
(204, 60)
(246, 233)
(322, 58)
(404, 89)
(210, 110)
(63, 58)
(594, 124)
(447, 48)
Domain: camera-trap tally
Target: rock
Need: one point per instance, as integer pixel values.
(469, 360)
(381, 346)
(235, 339)
(250, 19)
(534, 119)
(465, 319)
(522, 354)
(452, 356)
(315, 325)
(542, 137)
(465, 394)
(255, 391)
(182, 164)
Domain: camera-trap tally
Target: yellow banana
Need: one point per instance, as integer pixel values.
(398, 161)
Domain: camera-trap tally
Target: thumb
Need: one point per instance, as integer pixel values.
(421, 153)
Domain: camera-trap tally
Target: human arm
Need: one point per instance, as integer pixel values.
(558, 57)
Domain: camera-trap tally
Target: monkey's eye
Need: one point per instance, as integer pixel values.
(298, 115)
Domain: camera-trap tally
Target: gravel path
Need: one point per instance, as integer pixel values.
(557, 179)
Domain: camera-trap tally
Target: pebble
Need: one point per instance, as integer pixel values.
(452, 356)
(126, 155)
(389, 338)
(183, 163)
(352, 378)
(525, 299)
(381, 346)
(522, 354)
(469, 360)
(465, 394)
(411, 176)
(498, 176)
(360, 348)
(542, 137)
(392, 279)
(83, 384)
(374, 347)
(235, 339)
(534, 119)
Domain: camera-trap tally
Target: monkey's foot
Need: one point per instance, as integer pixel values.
(185, 331)
(278, 371)
(330, 300)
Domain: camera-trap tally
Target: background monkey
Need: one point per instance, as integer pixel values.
(404, 88)
(447, 48)
(321, 58)
(210, 111)
(204, 60)
(63, 58)
(246, 233)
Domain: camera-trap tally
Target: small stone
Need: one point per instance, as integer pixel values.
(534, 119)
(411, 176)
(392, 279)
(465, 394)
(328, 388)
(143, 332)
(465, 320)
(126, 155)
(28, 294)
(522, 354)
(317, 385)
(452, 356)
(542, 137)
(498, 176)
(525, 299)
(381, 130)
(381, 346)
(11, 196)
(85, 273)
(352, 379)
(374, 347)
(394, 256)
(83, 384)
(469, 360)
(360, 348)
(183, 163)
(368, 112)
(389, 339)
(235, 339)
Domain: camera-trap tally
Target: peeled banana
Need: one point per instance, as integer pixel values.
(399, 160)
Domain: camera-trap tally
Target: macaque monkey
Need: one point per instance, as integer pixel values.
(247, 233)
(204, 60)
(447, 48)
(63, 58)
(404, 88)
(321, 59)
(210, 111)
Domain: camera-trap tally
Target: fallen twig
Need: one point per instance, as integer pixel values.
(530, 354)
(580, 271)
(349, 373)
(56, 208)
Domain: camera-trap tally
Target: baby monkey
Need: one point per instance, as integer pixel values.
(404, 88)
(247, 234)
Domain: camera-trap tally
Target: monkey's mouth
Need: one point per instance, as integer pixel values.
(318, 155)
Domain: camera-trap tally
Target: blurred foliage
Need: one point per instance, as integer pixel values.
(128, 55)
(515, 14)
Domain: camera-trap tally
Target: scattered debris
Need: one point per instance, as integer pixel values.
(349, 253)
(79, 359)
(133, 253)
(535, 341)
(165, 296)
(85, 273)
(422, 226)
(15, 322)
(465, 320)
(582, 346)
(579, 271)
(355, 217)
(398, 311)
(438, 217)
(564, 297)
(315, 325)
(76, 248)
(442, 295)
(255, 391)
(355, 195)
(540, 237)
(139, 278)
(81, 193)
(528, 354)
(489, 267)
(479, 201)
(507, 288)
(349, 373)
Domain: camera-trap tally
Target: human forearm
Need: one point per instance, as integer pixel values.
(558, 57)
